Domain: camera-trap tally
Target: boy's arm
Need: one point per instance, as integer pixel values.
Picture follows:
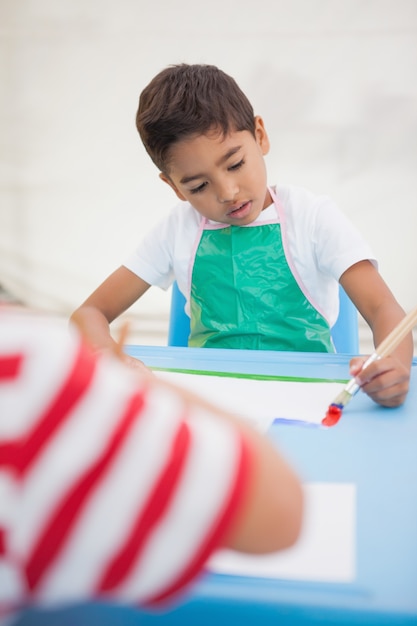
(386, 381)
(114, 296)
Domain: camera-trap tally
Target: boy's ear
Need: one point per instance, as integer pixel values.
(261, 135)
(169, 182)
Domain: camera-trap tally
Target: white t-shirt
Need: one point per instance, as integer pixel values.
(108, 485)
(320, 244)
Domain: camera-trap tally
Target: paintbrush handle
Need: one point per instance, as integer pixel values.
(397, 335)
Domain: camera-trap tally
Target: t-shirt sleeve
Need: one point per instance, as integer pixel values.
(152, 258)
(165, 251)
(338, 243)
(116, 488)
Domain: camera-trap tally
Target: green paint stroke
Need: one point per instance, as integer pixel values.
(249, 376)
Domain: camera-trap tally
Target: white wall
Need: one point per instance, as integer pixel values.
(335, 81)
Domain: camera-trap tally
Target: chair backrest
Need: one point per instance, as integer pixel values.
(345, 332)
(179, 322)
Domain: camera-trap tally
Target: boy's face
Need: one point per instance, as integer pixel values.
(223, 177)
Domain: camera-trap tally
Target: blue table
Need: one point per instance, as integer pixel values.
(374, 448)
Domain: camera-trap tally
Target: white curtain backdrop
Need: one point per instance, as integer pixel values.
(335, 81)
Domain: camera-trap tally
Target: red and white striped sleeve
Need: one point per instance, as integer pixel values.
(112, 488)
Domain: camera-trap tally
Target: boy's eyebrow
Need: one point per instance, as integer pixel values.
(188, 179)
(223, 159)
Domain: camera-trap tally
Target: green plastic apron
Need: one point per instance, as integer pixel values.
(245, 296)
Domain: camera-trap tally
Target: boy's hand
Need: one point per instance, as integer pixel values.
(130, 361)
(386, 380)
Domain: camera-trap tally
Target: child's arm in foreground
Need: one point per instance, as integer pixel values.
(271, 515)
(386, 381)
(163, 470)
(114, 296)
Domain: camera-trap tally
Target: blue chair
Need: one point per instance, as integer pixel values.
(345, 332)
(179, 322)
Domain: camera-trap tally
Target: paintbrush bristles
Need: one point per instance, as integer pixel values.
(343, 398)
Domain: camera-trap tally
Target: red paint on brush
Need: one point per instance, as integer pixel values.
(333, 415)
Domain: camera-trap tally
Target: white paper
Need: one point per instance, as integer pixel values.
(261, 401)
(325, 551)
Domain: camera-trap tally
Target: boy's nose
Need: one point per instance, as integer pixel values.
(227, 192)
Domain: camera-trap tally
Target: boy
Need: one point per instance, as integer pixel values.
(259, 265)
(115, 485)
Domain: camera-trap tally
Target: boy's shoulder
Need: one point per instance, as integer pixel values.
(295, 196)
(301, 205)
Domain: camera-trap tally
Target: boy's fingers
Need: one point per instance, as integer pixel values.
(386, 383)
(131, 362)
(374, 371)
(356, 365)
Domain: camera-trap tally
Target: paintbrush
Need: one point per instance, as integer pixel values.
(334, 412)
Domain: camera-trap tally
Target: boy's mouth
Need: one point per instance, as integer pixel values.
(241, 211)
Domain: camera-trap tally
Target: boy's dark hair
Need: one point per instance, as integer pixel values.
(185, 100)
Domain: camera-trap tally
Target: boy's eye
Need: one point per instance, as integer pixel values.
(198, 189)
(236, 166)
